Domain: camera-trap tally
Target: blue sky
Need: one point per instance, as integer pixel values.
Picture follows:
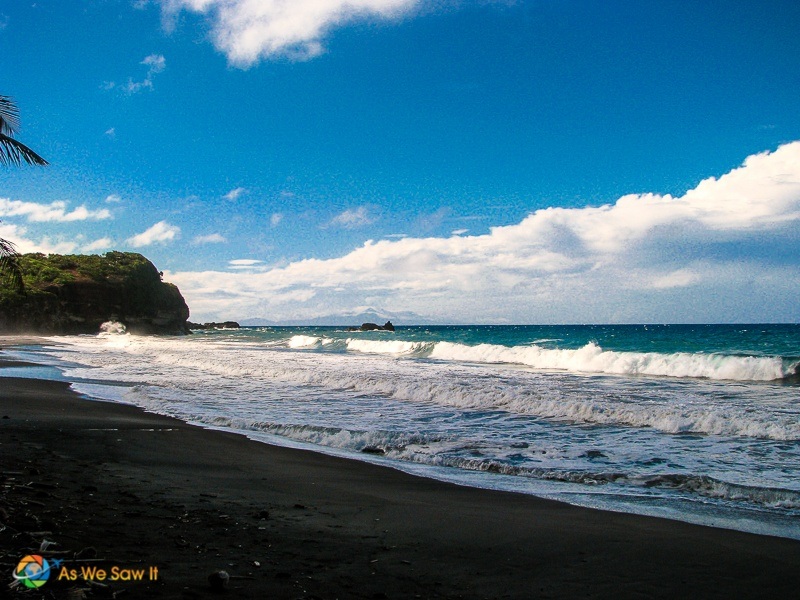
(461, 160)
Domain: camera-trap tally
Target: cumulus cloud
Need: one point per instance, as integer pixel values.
(352, 218)
(212, 238)
(727, 250)
(160, 233)
(247, 31)
(55, 211)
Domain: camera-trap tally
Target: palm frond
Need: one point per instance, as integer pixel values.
(9, 116)
(15, 152)
(9, 267)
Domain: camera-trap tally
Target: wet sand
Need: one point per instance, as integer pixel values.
(117, 486)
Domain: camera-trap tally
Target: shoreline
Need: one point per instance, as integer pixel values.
(141, 488)
(761, 515)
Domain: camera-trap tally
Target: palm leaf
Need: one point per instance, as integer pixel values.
(9, 116)
(9, 267)
(14, 152)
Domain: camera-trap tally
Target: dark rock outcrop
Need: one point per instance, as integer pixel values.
(76, 294)
(375, 327)
(223, 325)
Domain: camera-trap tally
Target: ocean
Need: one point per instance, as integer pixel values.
(699, 423)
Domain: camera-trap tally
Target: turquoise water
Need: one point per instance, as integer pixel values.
(699, 423)
(759, 346)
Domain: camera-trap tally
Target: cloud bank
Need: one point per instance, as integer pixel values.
(727, 250)
(247, 31)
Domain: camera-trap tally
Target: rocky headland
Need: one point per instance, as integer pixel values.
(72, 294)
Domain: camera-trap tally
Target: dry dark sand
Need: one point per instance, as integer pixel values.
(141, 490)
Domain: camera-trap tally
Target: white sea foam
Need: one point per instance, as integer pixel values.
(448, 451)
(303, 341)
(454, 385)
(591, 358)
(386, 347)
(112, 328)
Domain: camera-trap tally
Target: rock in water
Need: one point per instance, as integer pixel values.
(375, 327)
(223, 325)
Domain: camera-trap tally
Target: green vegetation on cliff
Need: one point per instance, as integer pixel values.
(77, 293)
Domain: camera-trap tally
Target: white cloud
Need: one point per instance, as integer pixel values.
(244, 262)
(353, 218)
(111, 132)
(459, 231)
(155, 63)
(234, 194)
(250, 30)
(679, 278)
(113, 199)
(55, 211)
(212, 238)
(18, 236)
(275, 219)
(727, 250)
(101, 244)
(161, 233)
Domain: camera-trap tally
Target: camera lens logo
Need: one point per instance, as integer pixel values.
(33, 571)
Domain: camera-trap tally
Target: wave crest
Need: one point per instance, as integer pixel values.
(591, 358)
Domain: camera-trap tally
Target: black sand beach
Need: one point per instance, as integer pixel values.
(131, 489)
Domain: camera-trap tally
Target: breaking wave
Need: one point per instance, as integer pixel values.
(591, 358)
(465, 387)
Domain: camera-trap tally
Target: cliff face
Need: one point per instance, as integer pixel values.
(76, 294)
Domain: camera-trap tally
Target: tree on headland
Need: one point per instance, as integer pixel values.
(12, 152)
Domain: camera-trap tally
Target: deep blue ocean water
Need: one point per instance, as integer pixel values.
(698, 422)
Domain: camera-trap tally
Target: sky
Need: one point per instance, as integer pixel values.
(451, 161)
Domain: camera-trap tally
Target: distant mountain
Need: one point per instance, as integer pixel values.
(354, 319)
